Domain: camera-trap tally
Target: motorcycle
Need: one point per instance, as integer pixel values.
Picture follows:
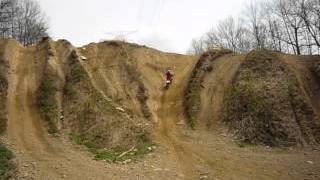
(168, 83)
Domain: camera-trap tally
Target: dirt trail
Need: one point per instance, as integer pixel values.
(169, 114)
(214, 87)
(308, 84)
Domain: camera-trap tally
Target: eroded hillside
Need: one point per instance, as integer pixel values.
(109, 98)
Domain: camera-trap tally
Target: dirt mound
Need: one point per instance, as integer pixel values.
(114, 69)
(71, 99)
(266, 104)
(193, 90)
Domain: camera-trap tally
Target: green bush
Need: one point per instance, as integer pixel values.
(77, 73)
(112, 155)
(6, 164)
(69, 91)
(193, 104)
(47, 103)
(3, 96)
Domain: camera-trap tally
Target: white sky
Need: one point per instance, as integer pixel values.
(168, 25)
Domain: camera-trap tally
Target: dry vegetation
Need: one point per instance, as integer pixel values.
(6, 165)
(3, 94)
(3, 97)
(265, 104)
(47, 102)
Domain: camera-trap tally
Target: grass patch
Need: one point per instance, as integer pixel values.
(3, 96)
(192, 122)
(243, 144)
(76, 139)
(6, 165)
(316, 70)
(77, 73)
(193, 106)
(113, 155)
(69, 91)
(47, 103)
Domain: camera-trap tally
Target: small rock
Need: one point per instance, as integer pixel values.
(83, 58)
(310, 162)
(127, 161)
(150, 148)
(157, 169)
(204, 177)
(180, 123)
(120, 109)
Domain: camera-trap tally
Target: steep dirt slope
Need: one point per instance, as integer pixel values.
(122, 86)
(25, 128)
(214, 87)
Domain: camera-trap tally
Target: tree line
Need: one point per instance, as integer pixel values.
(22, 20)
(289, 26)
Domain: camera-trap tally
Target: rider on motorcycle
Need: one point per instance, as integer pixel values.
(169, 77)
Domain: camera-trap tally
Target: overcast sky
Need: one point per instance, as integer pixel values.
(168, 25)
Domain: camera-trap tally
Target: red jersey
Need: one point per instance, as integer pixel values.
(169, 76)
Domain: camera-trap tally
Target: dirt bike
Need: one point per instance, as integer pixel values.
(168, 83)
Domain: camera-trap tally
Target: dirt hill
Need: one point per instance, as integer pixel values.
(109, 99)
(266, 103)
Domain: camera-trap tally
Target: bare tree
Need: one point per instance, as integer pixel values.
(197, 46)
(229, 34)
(291, 26)
(5, 17)
(253, 13)
(310, 14)
(22, 20)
